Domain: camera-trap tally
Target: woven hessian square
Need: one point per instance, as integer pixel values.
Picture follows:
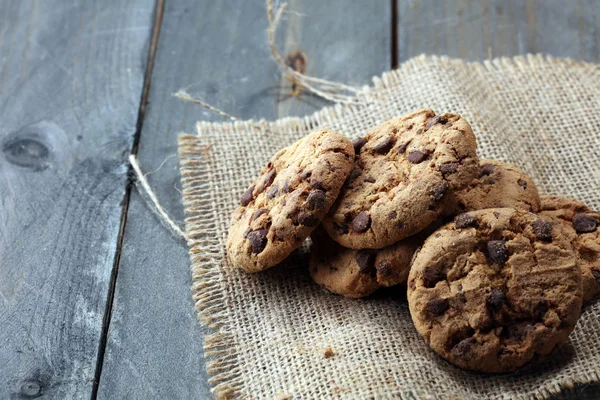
(268, 330)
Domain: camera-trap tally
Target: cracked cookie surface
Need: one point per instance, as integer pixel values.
(497, 185)
(358, 273)
(403, 170)
(585, 225)
(495, 289)
(281, 208)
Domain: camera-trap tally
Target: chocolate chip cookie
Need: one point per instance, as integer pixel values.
(403, 170)
(358, 273)
(282, 207)
(497, 185)
(495, 289)
(586, 230)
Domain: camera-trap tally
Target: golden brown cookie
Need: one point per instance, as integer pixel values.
(282, 207)
(402, 173)
(586, 229)
(495, 289)
(497, 185)
(358, 273)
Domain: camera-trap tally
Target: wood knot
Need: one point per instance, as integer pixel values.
(30, 389)
(296, 61)
(29, 148)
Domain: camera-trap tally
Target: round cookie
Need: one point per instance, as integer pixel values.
(497, 185)
(402, 173)
(282, 207)
(358, 273)
(586, 230)
(495, 289)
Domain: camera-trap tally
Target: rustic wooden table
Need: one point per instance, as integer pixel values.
(94, 292)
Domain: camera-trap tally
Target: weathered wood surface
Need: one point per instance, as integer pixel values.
(478, 30)
(71, 76)
(154, 347)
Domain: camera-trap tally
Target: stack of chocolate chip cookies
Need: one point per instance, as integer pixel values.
(496, 276)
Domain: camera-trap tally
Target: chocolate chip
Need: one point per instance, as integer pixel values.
(258, 240)
(437, 306)
(258, 213)
(307, 219)
(439, 191)
(419, 131)
(370, 179)
(400, 225)
(416, 157)
(402, 147)
(247, 197)
(384, 146)
(459, 287)
(583, 223)
(463, 347)
(358, 143)
(392, 215)
(361, 223)
(431, 276)
(596, 274)
(496, 214)
(354, 174)
(314, 183)
(432, 121)
(449, 168)
(286, 186)
(465, 220)
(272, 192)
(486, 169)
(412, 285)
(384, 268)
(268, 180)
(522, 183)
(542, 230)
(497, 251)
(495, 300)
(304, 175)
(366, 262)
(316, 199)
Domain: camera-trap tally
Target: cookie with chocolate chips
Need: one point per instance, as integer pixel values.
(403, 171)
(497, 185)
(280, 209)
(496, 289)
(358, 273)
(586, 231)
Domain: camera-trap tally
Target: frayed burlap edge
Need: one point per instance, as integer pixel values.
(198, 189)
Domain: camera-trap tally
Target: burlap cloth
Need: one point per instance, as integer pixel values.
(269, 329)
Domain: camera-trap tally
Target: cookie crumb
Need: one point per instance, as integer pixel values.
(328, 352)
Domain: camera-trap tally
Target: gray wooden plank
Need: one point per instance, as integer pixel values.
(154, 347)
(348, 41)
(477, 30)
(71, 76)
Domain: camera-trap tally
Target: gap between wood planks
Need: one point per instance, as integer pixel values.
(158, 16)
(394, 33)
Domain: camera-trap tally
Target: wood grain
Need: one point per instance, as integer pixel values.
(482, 29)
(219, 48)
(71, 75)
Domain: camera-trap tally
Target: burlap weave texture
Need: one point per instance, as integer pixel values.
(269, 329)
